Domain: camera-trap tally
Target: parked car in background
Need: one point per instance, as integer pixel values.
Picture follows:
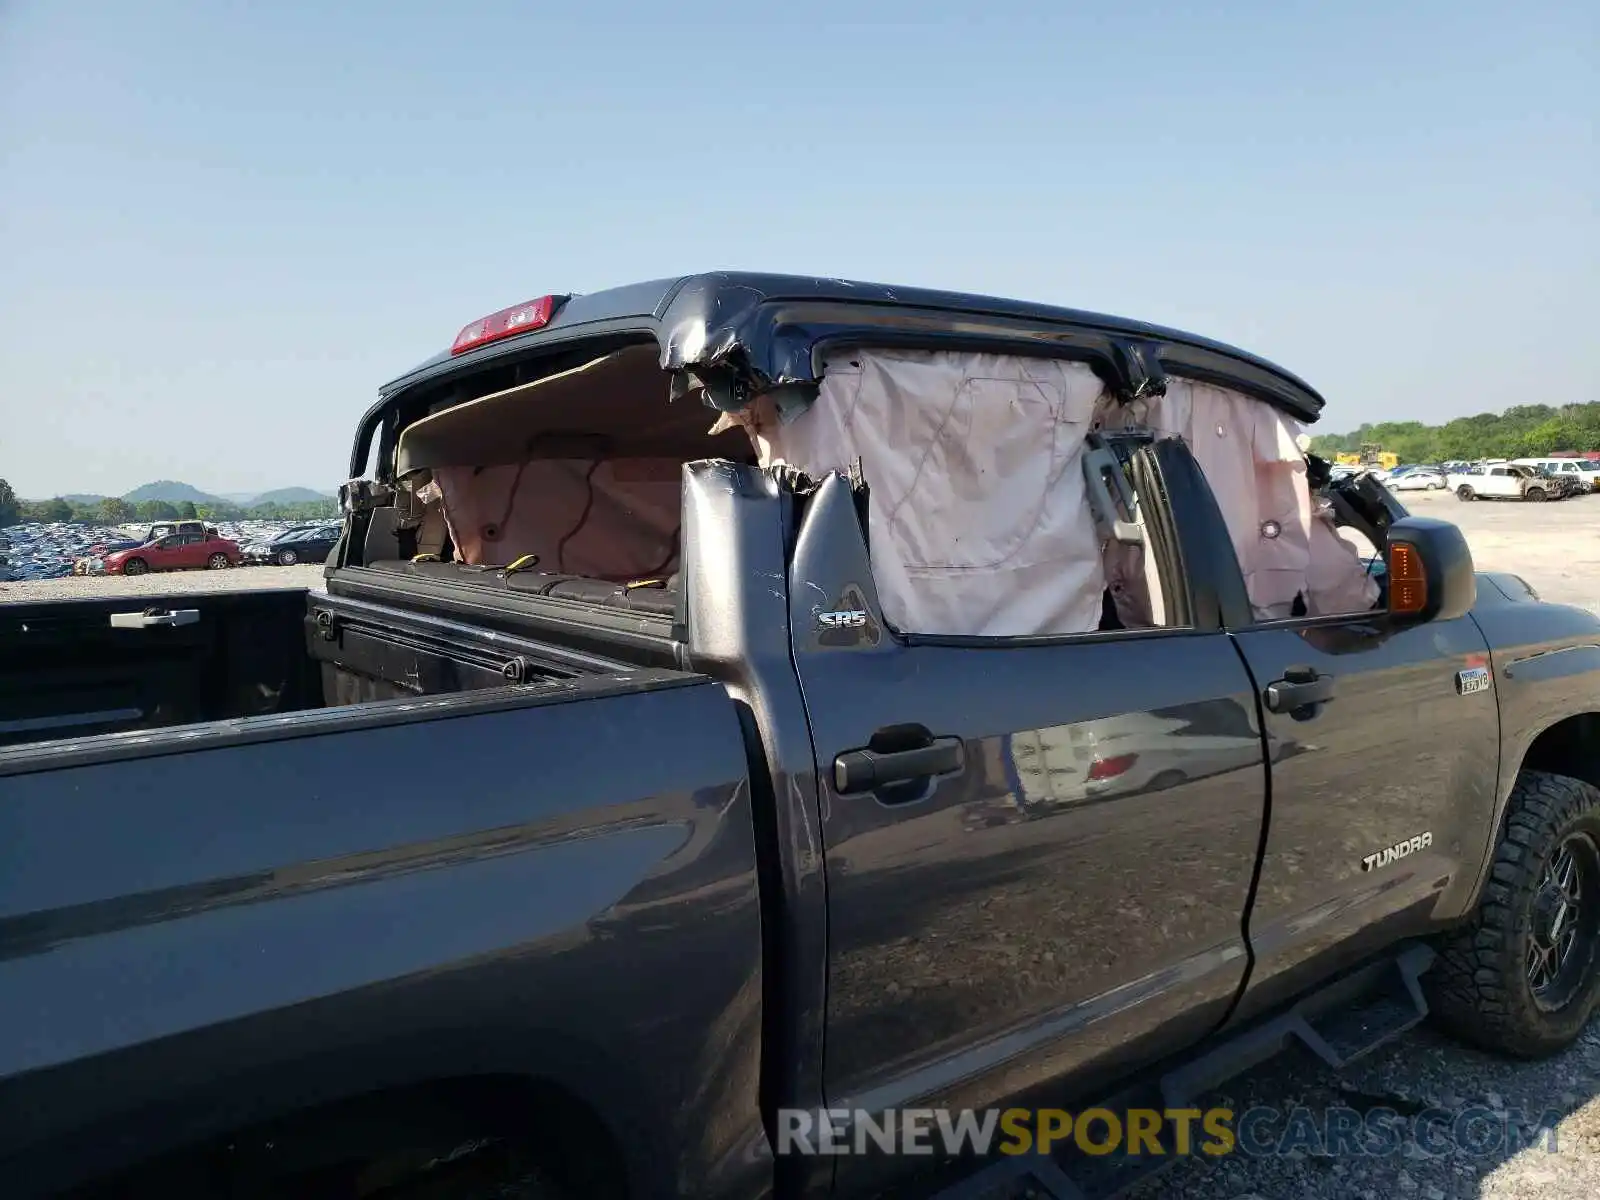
(111, 546)
(1563, 485)
(1419, 479)
(1585, 474)
(176, 552)
(1503, 481)
(301, 544)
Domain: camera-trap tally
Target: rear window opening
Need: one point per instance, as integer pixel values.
(567, 486)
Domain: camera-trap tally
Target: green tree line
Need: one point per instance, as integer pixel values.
(114, 511)
(1525, 431)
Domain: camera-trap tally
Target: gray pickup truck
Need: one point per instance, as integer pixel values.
(513, 864)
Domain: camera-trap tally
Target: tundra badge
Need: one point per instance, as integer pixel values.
(1399, 850)
(1471, 680)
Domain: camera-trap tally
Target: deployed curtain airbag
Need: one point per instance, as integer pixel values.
(977, 517)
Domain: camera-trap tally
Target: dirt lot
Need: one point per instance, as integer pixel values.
(168, 583)
(1556, 548)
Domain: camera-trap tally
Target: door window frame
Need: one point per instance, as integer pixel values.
(1197, 527)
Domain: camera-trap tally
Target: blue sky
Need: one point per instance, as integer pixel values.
(223, 224)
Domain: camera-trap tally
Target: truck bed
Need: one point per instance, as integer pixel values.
(74, 668)
(79, 669)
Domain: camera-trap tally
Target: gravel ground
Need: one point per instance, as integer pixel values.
(1422, 1072)
(163, 583)
(1556, 548)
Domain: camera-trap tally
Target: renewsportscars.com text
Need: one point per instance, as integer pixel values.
(1213, 1132)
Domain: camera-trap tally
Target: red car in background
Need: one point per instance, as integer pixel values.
(181, 551)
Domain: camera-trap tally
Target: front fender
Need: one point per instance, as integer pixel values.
(1546, 664)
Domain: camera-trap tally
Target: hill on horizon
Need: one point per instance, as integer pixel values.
(174, 491)
(290, 495)
(171, 491)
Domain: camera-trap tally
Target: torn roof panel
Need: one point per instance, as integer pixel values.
(772, 327)
(747, 333)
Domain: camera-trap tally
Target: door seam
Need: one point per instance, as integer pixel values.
(1261, 845)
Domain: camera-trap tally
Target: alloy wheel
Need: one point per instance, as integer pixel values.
(1564, 919)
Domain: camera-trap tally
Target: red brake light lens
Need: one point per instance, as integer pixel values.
(1110, 768)
(519, 318)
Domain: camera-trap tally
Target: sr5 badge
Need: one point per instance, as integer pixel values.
(849, 618)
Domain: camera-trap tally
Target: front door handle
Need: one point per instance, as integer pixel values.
(867, 770)
(1300, 688)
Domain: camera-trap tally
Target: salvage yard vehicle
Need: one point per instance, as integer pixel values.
(1583, 472)
(166, 546)
(162, 529)
(716, 669)
(1562, 486)
(1502, 481)
(1420, 479)
(301, 544)
(186, 550)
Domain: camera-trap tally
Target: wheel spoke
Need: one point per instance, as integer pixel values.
(1568, 939)
(1566, 869)
(1538, 968)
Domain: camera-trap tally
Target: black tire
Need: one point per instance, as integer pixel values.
(218, 562)
(287, 558)
(135, 566)
(1167, 779)
(1464, 493)
(1537, 495)
(1482, 987)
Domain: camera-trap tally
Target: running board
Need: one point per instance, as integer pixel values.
(1338, 1024)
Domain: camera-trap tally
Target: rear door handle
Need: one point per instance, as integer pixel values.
(865, 770)
(1300, 687)
(151, 617)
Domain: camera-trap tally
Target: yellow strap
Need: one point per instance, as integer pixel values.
(639, 583)
(425, 558)
(526, 563)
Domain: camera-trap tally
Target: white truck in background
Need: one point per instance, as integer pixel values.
(1499, 481)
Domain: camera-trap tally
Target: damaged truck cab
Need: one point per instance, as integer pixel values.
(741, 697)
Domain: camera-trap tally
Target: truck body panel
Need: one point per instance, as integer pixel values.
(975, 961)
(1365, 771)
(374, 883)
(263, 853)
